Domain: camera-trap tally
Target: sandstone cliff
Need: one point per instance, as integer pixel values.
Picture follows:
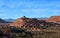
(26, 22)
(55, 19)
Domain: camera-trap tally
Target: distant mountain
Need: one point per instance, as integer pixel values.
(42, 18)
(9, 20)
(2, 21)
(12, 20)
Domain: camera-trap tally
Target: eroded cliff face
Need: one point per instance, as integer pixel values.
(18, 23)
(26, 22)
(33, 22)
(55, 19)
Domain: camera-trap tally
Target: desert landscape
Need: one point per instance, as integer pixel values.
(25, 27)
(29, 18)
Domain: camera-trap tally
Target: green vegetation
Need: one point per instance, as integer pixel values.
(14, 32)
(47, 32)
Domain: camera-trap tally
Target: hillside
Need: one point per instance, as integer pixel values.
(32, 27)
(24, 21)
(55, 19)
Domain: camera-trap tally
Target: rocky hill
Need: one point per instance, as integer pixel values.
(26, 22)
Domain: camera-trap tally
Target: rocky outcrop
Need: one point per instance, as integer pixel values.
(34, 24)
(55, 19)
(26, 22)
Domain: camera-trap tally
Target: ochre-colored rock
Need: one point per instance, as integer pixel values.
(33, 22)
(18, 23)
(55, 19)
(25, 22)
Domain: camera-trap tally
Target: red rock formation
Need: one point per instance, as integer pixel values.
(55, 19)
(17, 23)
(25, 22)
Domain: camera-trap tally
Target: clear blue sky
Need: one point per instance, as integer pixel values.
(29, 8)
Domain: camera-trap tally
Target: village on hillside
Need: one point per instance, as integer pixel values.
(26, 27)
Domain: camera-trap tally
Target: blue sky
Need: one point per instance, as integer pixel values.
(29, 8)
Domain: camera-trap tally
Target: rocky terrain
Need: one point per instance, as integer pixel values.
(25, 27)
(27, 22)
(55, 19)
(34, 23)
(4, 23)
